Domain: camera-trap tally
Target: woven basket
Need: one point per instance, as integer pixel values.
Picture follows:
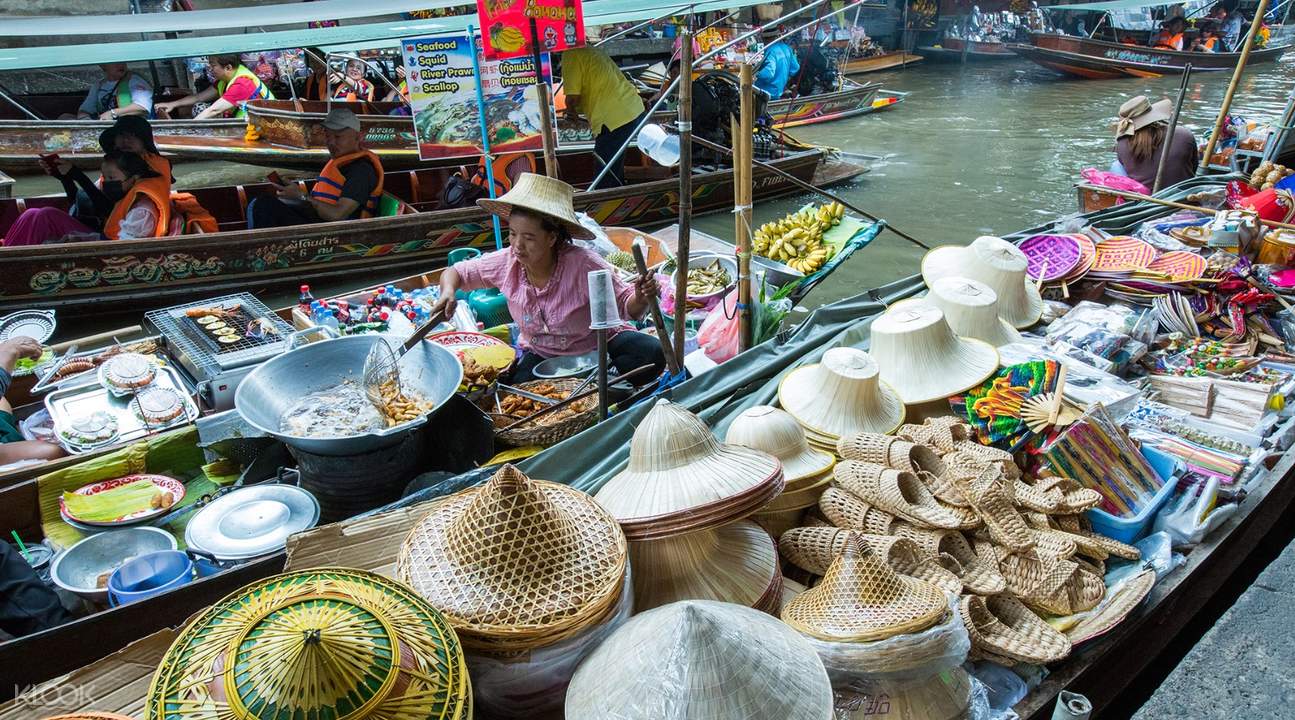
(550, 429)
(1001, 627)
(330, 642)
(516, 563)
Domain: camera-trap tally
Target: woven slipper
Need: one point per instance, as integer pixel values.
(845, 510)
(1114, 608)
(1077, 501)
(1033, 498)
(957, 466)
(1001, 626)
(901, 494)
(814, 549)
(1099, 546)
(975, 573)
(1096, 567)
(984, 452)
(940, 437)
(1084, 591)
(1070, 523)
(991, 502)
(1056, 587)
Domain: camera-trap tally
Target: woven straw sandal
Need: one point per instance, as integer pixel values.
(1074, 498)
(1057, 587)
(813, 549)
(845, 510)
(991, 502)
(940, 437)
(1099, 547)
(891, 452)
(1001, 626)
(866, 447)
(901, 494)
(977, 574)
(1034, 498)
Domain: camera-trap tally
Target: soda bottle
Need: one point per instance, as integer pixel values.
(305, 300)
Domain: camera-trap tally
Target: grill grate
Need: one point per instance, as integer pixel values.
(196, 349)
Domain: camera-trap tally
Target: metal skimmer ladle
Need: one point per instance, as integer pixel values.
(382, 364)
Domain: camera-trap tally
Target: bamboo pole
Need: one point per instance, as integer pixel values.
(1173, 128)
(742, 190)
(1232, 86)
(546, 107)
(1172, 204)
(685, 192)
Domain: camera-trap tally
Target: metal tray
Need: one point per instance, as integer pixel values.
(36, 324)
(88, 377)
(67, 403)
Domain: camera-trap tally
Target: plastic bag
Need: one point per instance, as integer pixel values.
(1103, 178)
(718, 334)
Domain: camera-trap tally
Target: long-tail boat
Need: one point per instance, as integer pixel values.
(851, 100)
(956, 49)
(1105, 60)
(410, 229)
(877, 63)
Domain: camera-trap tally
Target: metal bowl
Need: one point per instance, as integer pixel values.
(78, 568)
(565, 366)
(270, 390)
(701, 260)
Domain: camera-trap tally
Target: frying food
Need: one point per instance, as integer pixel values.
(519, 406)
(477, 374)
(400, 408)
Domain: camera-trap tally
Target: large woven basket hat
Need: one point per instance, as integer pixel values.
(698, 659)
(921, 358)
(329, 642)
(861, 599)
(774, 431)
(996, 263)
(971, 309)
(516, 563)
(681, 479)
(842, 395)
(541, 194)
(737, 563)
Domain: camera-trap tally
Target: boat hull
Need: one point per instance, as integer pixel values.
(952, 49)
(1101, 60)
(877, 63)
(22, 142)
(814, 109)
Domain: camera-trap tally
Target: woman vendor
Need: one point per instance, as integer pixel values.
(13, 446)
(1140, 140)
(544, 277)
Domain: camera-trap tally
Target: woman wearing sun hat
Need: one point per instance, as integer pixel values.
(544, 277)
(1140, 139)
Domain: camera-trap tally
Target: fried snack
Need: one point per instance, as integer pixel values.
(477, 374)
(399, 408)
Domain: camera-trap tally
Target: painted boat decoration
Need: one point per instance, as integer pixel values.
(1102, 60)
(854, 99)
(22, 142)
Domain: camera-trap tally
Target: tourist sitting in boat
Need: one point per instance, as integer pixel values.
(597, 88)
(1209, 40)
(1141, 138)
(544, 277)
(352, 87)
(317, 80)
(134, 134)
(1171, 34)
(235, 87)
(118, 94)
(349, 187)
(13, 446)
(400, 94)
(817, 73)
(778, 65)
(1232, 22)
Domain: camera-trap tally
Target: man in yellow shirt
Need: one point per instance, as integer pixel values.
(596, 88)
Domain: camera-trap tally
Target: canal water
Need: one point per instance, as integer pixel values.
(975, 149)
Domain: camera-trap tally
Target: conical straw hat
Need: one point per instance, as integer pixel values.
(842, 395)
(737, 563)
(697, 659)
(971, 309)
(681, 479)
(922, 359)
(541, 194)
(516, 561)
(996, 263)
(861, 599)
(329, 642)
(774, 431)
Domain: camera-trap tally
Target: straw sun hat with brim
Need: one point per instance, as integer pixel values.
(920, 357)
(516, 563)
(971, 309)
(1139, 112)
(540, 194)
(681, 479)
(996, 263)
(840, 396)
(737, 563)
(328, 642)
(771, 430)
(700, 659)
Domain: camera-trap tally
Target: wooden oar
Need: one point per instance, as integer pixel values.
(574, 398)
(657, 319)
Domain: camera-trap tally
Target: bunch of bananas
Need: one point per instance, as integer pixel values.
(506, 39)
(797, 239)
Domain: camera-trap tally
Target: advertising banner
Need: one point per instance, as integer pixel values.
(506, 26)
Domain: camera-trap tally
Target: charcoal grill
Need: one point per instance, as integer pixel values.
(217, 369)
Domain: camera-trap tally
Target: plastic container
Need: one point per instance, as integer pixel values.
(153, 574)
(1130, 530)
(490, 306)
(461, 254)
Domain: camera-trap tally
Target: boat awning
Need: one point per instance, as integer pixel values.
(597, 12)
(1123, 5)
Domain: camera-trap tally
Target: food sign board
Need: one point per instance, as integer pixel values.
(443, 95)
(506, 26)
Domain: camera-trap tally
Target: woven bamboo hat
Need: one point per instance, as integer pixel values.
(516, 563)
(842, 395)
(697, 659)
(861, 599)
(737, 563)
(329, 642)
(971, 309)
(921, 358)
(681, 479)
(996, 263)
(541, 194)
(774, 431)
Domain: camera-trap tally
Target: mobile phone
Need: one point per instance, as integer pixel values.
(276, 178)
(50, 158)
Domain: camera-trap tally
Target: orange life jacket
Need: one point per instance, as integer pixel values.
(1209, 43)
(158, 191)
(1169, 42)
(159, 165)
(349, 93)
(505, 169)
(328, 189)
(189, 217)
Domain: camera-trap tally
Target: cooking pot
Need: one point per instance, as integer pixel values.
(428, 370)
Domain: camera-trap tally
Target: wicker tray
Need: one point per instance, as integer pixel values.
(550, 429)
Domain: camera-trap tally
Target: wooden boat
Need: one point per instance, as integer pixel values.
(956, 49)
(877, 63)
(1104, 60)
(853, 99)
(411, 231)
(23, 141)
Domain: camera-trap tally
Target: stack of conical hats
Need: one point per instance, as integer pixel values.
(679, 501)
(517, 563)
(807, 470)
(331, 642)
(840, 396)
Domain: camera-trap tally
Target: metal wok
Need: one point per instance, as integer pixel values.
(429, 370)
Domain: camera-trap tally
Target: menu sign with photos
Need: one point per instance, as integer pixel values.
(506, 26)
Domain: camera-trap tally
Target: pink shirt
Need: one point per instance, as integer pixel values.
(554, 319)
